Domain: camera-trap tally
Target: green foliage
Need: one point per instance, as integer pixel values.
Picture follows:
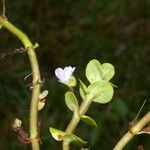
(71, 101)
(101, 92)
(112, 31)
(96, 72)
(88, 120)
(93, 71)
(107, 71)
(74, 138)
(83, 90)
(58, 135)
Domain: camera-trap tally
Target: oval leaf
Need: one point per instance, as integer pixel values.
(58, 135)
(74, 138)
(93, 71)
(83, 90)
(88, 120)
(108, 71)
(71, 101)
(100, 92)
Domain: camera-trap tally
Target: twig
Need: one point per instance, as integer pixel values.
(132, 132)
(4, 9)
(36, 78)
(16, 51)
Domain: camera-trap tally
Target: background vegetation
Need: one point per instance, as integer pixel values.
(71, 33)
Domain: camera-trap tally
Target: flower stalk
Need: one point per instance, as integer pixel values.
(36, 82)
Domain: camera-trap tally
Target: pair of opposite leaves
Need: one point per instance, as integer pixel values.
(100, 89)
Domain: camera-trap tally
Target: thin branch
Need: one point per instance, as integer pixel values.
(4, 9)
(132, 132)
(16, 51)
(36, 78)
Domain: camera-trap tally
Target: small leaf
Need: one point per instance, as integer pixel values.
(100, 92)
(83, 90)
(58, 135)
(74, 138)
(107, 71)
(88, 120)
(71, 101)
(93, 71)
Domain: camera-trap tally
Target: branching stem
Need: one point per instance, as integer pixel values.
(132, 132)
(36, 78)
(75, 121)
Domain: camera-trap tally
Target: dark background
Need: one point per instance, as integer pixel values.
(72, 33)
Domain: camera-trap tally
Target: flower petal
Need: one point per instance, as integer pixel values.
(65, 74)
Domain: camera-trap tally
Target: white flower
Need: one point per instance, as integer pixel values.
(65, 74)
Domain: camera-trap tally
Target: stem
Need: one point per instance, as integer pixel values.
(36, 78)
(75, 120)
(65, 145)
(73, 123)
(132, 132)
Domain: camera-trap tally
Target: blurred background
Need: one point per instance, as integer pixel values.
(72, 33)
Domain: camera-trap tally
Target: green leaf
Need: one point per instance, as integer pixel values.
(107, 71)
(58, 135)
(71, 101)
(83, 90)
(88, 120)
(74, 138)
(100, 92)
(93, 71)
